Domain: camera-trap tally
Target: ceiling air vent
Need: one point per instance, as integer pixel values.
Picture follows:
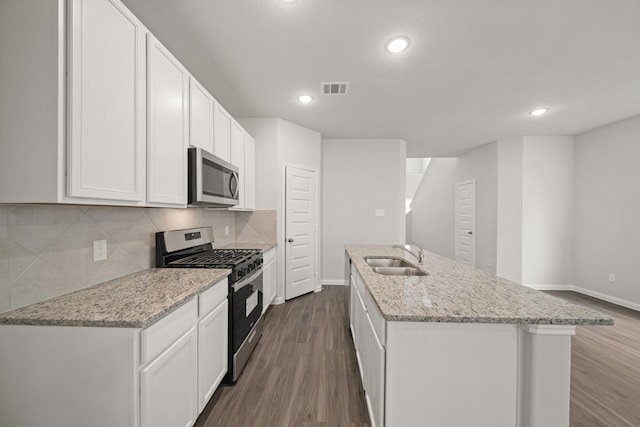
(335, 88)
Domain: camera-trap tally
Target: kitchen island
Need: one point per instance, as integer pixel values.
(459, 346)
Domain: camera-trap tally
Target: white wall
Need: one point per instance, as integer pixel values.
(278, 143)
(547, 210)
(606, 210)
(535, 210)
(509, 227)
(358, 177)
(433, 207)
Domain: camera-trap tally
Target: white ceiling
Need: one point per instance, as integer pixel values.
(474, 70)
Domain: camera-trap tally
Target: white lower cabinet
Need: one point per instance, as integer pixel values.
(269, 278)
(168, 385)
(370, 350)
(159, 376)
(212, 352)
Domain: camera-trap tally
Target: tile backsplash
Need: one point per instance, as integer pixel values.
(47, 250)
(256, 227)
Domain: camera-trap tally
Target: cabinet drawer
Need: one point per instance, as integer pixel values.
(159, 336)
(269, 256)
(212, 297)
(377, 320)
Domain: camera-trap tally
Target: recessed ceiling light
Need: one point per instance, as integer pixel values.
(538, 112)
(305, 99)
(397, 44)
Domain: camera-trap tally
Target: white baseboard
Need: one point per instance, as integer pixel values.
(608, 298)
(547, 287)
(278, 301)
(333, 282)
(595, 294)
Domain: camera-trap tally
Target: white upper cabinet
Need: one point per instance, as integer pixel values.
(243, 155)
(168, 126)
(237, 158)
(221, 132)
(106, 149)
(200, 116)
(249, 172)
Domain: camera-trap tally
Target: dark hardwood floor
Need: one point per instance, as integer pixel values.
(303, 372)
(605, 367)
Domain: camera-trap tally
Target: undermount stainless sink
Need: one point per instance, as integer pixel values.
(399, 271)
(387, 262)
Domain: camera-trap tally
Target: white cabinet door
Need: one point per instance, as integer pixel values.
(168, 385)
(238, 159)
(221, 132)
(200, 116)
(106, 145)
(375, 374)
(168, 83)
(353, 311)
(249, 172)
(212, 352)
(268, 284)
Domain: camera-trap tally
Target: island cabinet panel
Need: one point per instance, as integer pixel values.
(452, 374)
(106, 102)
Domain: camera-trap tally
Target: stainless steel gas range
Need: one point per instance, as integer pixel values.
(193, 248)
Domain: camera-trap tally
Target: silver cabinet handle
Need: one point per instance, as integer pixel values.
(469, 232)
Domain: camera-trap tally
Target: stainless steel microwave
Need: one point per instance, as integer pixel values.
(212, 181)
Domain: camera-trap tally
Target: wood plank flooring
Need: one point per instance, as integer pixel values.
(605, 367)
(303, 372)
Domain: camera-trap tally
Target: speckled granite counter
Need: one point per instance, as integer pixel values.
(264, 247)
(133, 301)
(453, 292)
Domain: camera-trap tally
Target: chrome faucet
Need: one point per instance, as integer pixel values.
(419, 254)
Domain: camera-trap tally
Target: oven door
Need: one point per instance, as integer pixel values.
(247, 306)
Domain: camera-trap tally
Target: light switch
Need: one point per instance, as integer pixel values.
(379, 212)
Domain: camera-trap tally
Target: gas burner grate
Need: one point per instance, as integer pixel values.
(217, 257)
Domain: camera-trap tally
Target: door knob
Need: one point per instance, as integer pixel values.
(290, 240)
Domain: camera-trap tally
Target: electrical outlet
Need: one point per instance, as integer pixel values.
(226, 230)
(379, 212)
(99, 250)
(612, 277)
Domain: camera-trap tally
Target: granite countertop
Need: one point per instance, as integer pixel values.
(264, 247)
(133, 301)
(454, 292)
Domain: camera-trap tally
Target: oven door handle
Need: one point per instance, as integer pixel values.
(247, 280)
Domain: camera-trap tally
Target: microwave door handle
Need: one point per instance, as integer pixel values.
(233, 185)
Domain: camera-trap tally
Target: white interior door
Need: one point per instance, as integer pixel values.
(466, 222)
(300, 231)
